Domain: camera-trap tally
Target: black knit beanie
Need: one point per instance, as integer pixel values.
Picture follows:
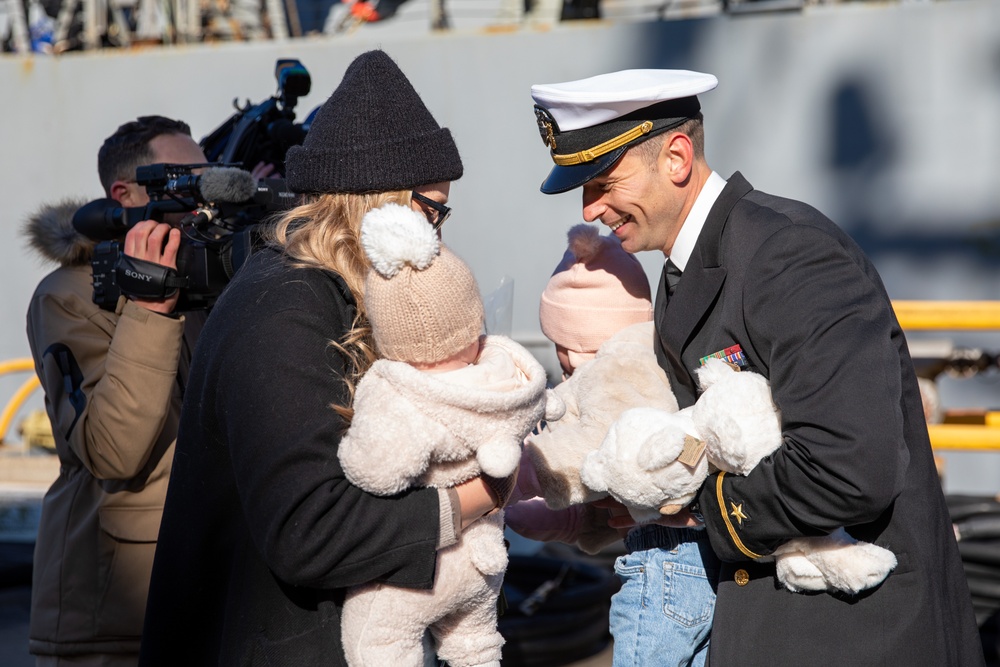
(374, 134)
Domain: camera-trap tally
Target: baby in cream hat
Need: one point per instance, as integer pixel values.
(443, 404)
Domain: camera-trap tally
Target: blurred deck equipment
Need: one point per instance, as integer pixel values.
(976, 519)
(124, 22)
(971, 430)
(557, 610)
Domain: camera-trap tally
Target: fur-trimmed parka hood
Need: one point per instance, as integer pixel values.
(50, 232)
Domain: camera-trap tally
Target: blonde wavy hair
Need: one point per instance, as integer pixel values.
(325, 232)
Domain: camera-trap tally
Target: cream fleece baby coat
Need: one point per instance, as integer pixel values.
(413, 428)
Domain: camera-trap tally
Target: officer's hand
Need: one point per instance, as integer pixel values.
(155, 242)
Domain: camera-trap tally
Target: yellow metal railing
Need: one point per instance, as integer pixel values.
(21, 395)
(948, 315)
(964, 437)
(961, 430)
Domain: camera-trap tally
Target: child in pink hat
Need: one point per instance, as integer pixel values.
(597, 311)
(597, 290)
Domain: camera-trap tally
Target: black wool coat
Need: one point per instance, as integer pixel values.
(810, 313)
(261, 531)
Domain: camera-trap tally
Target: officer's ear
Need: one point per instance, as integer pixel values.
(676, 157)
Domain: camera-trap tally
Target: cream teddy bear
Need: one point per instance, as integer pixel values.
(622, 375)
(639, 463)
(652, 462)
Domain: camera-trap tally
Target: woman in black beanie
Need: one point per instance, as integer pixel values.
(261, 531)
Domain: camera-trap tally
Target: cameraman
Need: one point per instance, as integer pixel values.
(113, 386)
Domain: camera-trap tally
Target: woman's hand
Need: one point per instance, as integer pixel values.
(476, 500)
(155, 242)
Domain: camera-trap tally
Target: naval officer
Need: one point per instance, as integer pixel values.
(780, 290)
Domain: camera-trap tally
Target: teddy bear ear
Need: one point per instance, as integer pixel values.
(555, 407)
(592, 472)
(712, 371)
(661, 448)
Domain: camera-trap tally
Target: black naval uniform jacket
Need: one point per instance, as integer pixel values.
(810, 313)
(261, 531)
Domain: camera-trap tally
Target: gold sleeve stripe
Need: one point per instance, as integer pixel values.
(725, 517)
(570, 159)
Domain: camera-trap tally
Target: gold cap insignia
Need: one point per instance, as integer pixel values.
(546, 127)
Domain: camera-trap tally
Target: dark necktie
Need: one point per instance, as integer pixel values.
(673, 275)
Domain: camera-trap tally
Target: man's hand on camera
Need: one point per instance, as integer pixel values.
(155, 242)
(264, 170)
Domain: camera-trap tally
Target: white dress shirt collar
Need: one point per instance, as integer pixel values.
(691, 229)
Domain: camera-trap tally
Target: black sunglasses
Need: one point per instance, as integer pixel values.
(442, 211)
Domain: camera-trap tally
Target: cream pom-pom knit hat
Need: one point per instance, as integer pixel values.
(422, 299)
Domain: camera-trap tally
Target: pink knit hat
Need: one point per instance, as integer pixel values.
(597, 290)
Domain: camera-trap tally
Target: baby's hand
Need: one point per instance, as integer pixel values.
(534, 520)
(623, 521)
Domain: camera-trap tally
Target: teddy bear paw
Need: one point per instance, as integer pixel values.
(842, 563)
(855, 567)
(797, 573)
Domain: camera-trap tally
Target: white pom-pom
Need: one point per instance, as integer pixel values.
(584, 242)
(395, 236)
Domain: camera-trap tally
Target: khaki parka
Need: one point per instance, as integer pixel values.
(113, 384)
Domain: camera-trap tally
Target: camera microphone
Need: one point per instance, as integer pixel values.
(107, 220)
(216, 185)
(230, 185)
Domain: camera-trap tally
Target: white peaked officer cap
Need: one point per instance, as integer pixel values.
(589, 124)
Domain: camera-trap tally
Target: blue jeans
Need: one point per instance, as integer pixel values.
(662, 615)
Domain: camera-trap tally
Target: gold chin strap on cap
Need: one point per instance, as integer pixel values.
(597, 151)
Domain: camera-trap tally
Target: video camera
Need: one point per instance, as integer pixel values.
(219, 214)
(264, 132)
(220, 211)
